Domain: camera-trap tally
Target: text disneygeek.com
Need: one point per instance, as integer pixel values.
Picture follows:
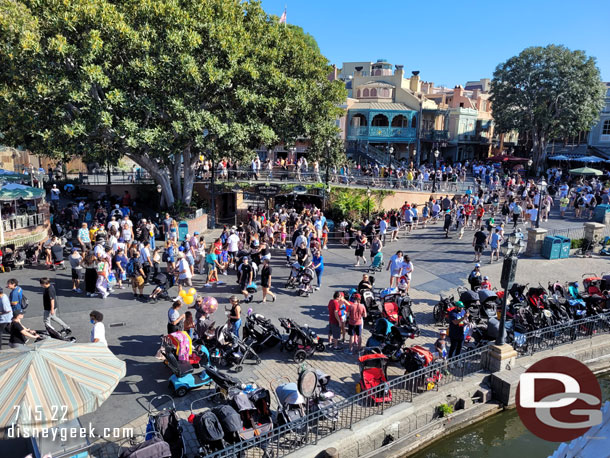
(63, 434)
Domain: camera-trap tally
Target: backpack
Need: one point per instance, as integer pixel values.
(130, 270)
(165, 256)
(24, 301)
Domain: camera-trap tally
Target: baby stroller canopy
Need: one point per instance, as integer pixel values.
(229, 418)
(487, 295)
(207, 427)
(289, 394)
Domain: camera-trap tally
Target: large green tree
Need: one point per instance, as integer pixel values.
(546, 91)
(160, 81)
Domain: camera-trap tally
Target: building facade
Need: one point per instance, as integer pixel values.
(599, 136)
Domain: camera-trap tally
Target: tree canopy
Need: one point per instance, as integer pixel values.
(159, 81)
(546, 91)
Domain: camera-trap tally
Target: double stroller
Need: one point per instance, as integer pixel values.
(260, 332)
(416, 358)
(471, 302)
(163, 438)
(373, 376)
(397, 309)
(163, 283)
(300, 339)
(231, 351)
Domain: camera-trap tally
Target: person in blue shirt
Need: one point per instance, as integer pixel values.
(16, 295)
(457, 320)
(318, 265)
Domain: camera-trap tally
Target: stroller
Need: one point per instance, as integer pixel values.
(232, 351)
(31, 251)
(253, 408)
(165, 424)
(390, 309)
(489, 303)
(260, 332)
(377, 263)
(52, 333)
(209, 432)
(416, 358)
(291, 408)
(225, 384)
(302, 340)
(470, 299)
(605, 243)
(406, 319)
(322, 398)
(388, 338)
(373, 376)
(57, 257)
(164, 283)
(305, 282)
(9, 260)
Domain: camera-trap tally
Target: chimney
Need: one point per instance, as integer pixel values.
(358, 71)
(414, 85)
(400, 71)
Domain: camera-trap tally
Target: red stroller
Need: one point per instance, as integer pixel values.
(373, 374)
(390, 310)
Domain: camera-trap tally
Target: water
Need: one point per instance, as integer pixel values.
(501, 436)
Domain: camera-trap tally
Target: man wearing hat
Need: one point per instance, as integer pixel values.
(6, 315)
(457, 319)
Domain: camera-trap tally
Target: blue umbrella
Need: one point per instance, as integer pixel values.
(559, 158)
(588, 159)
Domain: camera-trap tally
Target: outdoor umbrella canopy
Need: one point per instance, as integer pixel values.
(586, 171)
(7, 175)
(559, 158)
(14, 191)
(54, 381)
(588, 159)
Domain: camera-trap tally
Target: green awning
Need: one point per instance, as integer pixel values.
(14, 191)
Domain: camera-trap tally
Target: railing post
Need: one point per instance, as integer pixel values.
(351, 414)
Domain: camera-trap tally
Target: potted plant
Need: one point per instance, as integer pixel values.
(444, 410)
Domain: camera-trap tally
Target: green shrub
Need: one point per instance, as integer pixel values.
(577, 243)
(445, 409)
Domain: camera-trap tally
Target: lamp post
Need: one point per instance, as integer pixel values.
(511, 252)
(436, 155)
(328, 143)
(368, 204)
(542, 191)
(160, 190)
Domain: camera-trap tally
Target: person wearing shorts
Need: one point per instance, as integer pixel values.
(395, 267)
(356, 312)
(137, 281)
(184, 271)
(334, 319)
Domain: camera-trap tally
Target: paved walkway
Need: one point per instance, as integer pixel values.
(134, 328)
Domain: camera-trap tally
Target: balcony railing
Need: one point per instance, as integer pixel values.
(435, 135)
(12, 223)
(383, 132)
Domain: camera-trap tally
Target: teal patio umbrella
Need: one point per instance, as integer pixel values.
(586, 171)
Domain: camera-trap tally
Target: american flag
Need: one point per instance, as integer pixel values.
(283, 17)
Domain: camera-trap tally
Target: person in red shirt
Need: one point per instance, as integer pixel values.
(335, 320)
(480, 213)
(468, 209)
(356, 313)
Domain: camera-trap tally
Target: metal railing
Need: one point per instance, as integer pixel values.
(351, 178)
(344, 414)
(548, 338)
(12, 223)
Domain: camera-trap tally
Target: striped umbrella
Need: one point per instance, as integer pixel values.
(53, 381)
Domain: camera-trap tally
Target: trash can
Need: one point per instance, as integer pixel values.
(600, 212)
(183, 229)
(551, 247)
(566, 244)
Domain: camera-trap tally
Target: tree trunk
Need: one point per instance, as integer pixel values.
(188, 162)
(539, 144)
(176, 178)
(160, 175)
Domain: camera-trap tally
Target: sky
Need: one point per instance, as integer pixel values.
(449, 42)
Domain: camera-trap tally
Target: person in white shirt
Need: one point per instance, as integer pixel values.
(233, 248)
(383, 227)
(113, 223)
(98, 331)
(127, 229)
(184, 271)
(395, 267)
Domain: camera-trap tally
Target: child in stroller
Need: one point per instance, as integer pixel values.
(163, 283)
(302, 340)
(231, 351)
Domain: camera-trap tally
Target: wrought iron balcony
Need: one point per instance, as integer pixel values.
(434, 135)
(408, 133)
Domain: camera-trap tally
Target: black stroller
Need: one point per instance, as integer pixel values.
(489, 303)
(230, 421)
(164, 283)
(470, 299)
(302, 340)
(52, 333)
(165, 424)
(31, 251)
(232, 350)
(260, 332)
(155, 447)
(407, 317)
(9, 259)
(209, 433)
(291, 408)
(322, 398)
(255, 415)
